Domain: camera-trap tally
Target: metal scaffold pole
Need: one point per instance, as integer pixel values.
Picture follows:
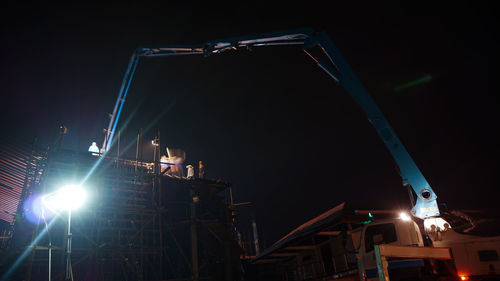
(194, 239)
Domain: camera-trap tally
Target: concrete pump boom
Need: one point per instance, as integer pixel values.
(334, 65)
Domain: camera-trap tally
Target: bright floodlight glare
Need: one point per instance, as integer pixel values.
(70, 197)
(404, 216)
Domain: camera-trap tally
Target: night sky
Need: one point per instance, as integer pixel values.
(269, 121)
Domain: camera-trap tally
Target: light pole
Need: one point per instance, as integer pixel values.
(156, 143)
(68, 198)
(50, 243)
(69, 270)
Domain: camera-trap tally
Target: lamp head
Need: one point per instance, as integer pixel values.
(70, 197)
(404, 216)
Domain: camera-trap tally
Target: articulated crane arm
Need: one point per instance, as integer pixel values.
(335, 66)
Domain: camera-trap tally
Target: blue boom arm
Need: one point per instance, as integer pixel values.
(334, 65)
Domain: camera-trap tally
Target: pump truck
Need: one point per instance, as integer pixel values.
(474, 257)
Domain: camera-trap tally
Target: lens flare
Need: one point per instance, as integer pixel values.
(35, 211)
(404, 216)
(70, 197)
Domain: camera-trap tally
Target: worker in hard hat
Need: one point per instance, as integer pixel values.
(190, 173)
(201, 170)
(94, 149)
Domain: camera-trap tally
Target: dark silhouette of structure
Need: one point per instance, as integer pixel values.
(137, 224)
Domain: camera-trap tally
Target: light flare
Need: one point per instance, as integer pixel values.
(70, 197)
(30, 248)
(404, 216)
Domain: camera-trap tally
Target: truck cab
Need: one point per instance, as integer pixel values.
(397, 231)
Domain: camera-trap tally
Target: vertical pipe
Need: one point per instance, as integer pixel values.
(255, 237)
(137, 153)
(142, 244)
(158, 171)
(118, 152)
(232, 203)
(62, 131)
(154, 158)
(239, 240)
(140, 146)
(155, 204)
(69, 274)
(50, 244)
(50, 261)
(194, 238)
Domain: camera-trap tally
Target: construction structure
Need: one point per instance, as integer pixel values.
(139, 222)
(147, 221)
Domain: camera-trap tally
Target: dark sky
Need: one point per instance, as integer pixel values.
(269, 121)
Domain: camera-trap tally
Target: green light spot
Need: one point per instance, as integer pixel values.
(421, 80)
(364, 222)
(370, 215)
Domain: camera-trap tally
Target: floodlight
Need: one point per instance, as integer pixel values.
(68, 198)
(404, 216)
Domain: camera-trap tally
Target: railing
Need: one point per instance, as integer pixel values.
(319, 270)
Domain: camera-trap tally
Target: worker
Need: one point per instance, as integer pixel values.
(93, 148)
(201, 170)
(164, 163)
(190, 173)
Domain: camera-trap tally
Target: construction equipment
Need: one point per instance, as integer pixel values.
(334, 65)
(320, 48)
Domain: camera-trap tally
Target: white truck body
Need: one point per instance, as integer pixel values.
(475, 257)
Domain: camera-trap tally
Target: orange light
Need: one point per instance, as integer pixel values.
(463, 277)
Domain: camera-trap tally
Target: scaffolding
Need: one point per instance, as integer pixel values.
(21, 167)
(138, 224)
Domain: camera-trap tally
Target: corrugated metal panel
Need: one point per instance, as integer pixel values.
(14, 159)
